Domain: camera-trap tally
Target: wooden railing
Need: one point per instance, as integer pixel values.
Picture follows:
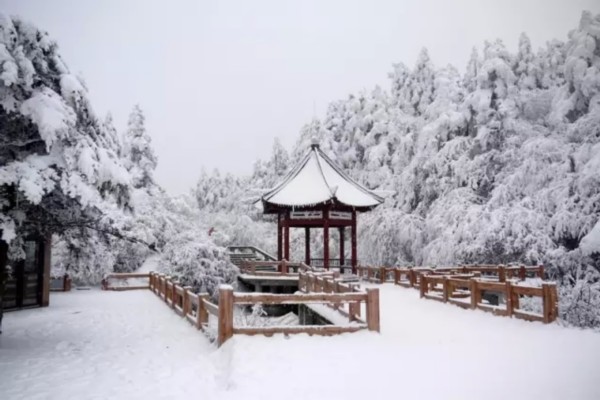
(454, 290)
(470, 281)
(329, 283)
(320, 262)
(196, 308)
(249, 250)
(272, 268)
(61, 284)
(105, 285)
(409, 277)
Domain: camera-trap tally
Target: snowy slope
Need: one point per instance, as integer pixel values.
(98, 345)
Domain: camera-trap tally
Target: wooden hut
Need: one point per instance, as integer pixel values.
(28, 284)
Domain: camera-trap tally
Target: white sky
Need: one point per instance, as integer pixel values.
(219, 80)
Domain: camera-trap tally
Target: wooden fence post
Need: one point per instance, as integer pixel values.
(187, 304)
(509, 299)
(173, 295)
(553, 290)
(422, 286)
(445, 289)
(501, 274)
(412, 278)
(373, 309)
(167, 285)
(225, 314)
(284, 266)
(396, 275)
(514, 299)
(369, 273)
(522, 273)
(541, 271)
(474, 293)
(202, 312)
(382, 274)
(549, 301)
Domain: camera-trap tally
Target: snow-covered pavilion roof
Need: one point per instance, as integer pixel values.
(317, 180)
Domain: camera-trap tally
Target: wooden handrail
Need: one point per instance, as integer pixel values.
(510, 290)
(196, 307)
(210, 307)
(324, 330)
(303, 298)
(282, 267)
(127, 275)
(106, 281)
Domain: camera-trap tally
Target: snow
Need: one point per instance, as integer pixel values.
(591, 242)
(50, 113)
(316, 180)
(129, 345)
(10, 72)
(331, 315)
(100, 345)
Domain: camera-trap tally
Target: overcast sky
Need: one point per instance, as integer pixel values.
(220, 80)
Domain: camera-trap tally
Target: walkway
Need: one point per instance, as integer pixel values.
(129, 345)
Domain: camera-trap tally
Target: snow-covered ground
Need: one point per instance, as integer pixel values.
(129, 345)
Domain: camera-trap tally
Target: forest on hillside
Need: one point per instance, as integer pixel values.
(497, 164)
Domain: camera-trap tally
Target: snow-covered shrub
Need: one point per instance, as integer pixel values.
(195, 261)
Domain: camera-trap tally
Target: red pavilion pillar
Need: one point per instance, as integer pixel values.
(342, 238)
(286, 235)
(326, 239)
(307, 245)
(279, 238)
(354, 253)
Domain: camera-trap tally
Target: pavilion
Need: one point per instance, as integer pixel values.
(318, 194)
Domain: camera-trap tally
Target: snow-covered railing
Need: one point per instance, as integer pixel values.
(194, 307)
(197, 307)
(227, 299)
(250, 251)
(409, 277)
(329, 282)
(272, 268)
(456, 284)
(123, 283)
(453, 290)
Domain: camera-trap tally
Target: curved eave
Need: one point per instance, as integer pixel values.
(274, 208)
(316, 181)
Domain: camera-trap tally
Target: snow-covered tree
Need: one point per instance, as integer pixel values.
(498, 165)
(137, 149)
(56, 171)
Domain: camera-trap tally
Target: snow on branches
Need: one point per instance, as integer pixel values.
(499, 165)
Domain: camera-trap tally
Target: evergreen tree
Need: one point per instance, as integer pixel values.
(525, 67)
(141, 160)
(56, 172)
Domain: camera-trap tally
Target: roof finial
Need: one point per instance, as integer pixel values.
(314, 142)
